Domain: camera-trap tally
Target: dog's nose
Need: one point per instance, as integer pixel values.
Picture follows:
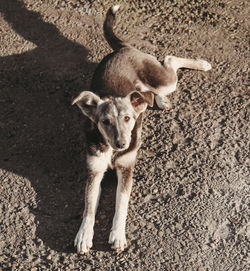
(120, 144)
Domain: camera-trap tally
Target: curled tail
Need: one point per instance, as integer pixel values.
(114, 42)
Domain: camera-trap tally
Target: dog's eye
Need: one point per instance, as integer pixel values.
(106, 122)
(126, 118)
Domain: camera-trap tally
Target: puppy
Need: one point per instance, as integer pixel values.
(124, 84)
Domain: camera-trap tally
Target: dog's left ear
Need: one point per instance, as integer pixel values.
(140, 100)
(148, 97)
(87, 101)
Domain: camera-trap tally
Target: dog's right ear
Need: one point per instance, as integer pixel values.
(87, 101)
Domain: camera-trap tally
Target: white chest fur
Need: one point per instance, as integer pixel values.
(100, 161)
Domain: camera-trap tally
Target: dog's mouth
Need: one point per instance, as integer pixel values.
(119, 149)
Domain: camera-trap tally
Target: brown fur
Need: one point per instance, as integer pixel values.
(123, 84)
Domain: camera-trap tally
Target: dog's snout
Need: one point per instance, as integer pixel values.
(120, 144)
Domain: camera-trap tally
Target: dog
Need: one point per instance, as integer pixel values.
(123, 85)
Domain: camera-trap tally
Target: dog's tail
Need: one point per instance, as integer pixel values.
(114, 42)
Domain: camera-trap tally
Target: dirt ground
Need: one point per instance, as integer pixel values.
(189, 205)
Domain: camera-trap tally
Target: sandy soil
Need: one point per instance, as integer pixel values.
(189, 206)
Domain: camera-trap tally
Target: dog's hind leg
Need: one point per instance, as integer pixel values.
(173, 62)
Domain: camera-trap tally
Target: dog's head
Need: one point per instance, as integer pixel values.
(115, 117)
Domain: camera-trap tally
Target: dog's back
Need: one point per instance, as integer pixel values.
(119, 72)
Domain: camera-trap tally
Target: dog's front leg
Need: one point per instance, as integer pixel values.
(117, 235)
(97, 166)
(83, 240)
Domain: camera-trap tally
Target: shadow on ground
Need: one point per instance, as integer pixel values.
(42, 134)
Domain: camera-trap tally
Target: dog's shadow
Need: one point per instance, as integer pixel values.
(43, 135)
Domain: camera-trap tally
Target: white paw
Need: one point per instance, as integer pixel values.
(205, 66)
(115, 8)
(118, 240)
(83, 240)
(163, 102)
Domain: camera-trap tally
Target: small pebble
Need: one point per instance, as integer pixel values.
(39, 241)
(49, 257)
(160, 233)
(155, 191)
(154, 231)
(142, 224)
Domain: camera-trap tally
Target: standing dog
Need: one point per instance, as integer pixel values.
(124, 83)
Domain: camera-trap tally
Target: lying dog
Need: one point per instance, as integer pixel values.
(124, 83)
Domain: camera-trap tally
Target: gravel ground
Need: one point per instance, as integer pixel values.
(189, 205)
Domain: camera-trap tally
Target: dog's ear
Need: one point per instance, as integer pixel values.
(140, 100)
(87, 101)
(148, 97)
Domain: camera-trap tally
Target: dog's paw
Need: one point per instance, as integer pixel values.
(118, 240)
(205, 66)
(163, 102)
(83, 240)
(115, 8)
